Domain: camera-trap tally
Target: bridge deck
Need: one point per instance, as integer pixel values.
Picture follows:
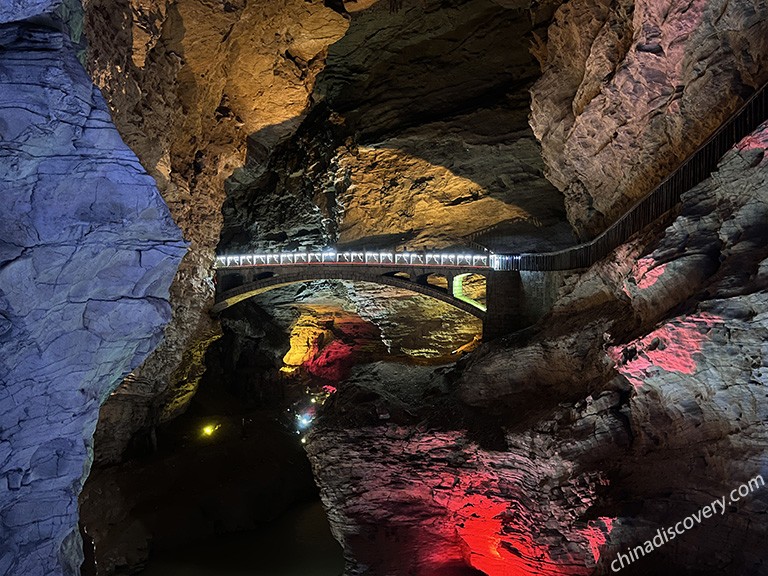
(242, 282)
(250, 274)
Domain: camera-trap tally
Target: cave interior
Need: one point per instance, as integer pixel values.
(404, 288)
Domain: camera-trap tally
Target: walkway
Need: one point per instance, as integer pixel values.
(242, 276)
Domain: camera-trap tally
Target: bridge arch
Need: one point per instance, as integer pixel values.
(460, 291)
(238, 284)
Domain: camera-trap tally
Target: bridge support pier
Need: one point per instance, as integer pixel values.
(504, 299)
(449, 277)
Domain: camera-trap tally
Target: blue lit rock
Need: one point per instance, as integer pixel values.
(14, 10)
(87, 253)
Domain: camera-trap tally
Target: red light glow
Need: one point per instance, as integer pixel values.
(647, 273)
(498, 512)
(756, 141)
(676, 343)
(332, 362)
(501, 537)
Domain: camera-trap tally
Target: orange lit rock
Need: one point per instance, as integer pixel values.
(187, 83)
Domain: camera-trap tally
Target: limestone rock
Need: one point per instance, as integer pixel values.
(630, 89)
(189, 84)
(419, 496)
(88, 250)
(436, 184)
(675, 325)
(634, 404)
(14, 10)
(419, 137)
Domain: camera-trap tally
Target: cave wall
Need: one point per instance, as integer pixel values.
(419, 138)
(629, 89)
(188, 83)
(191, 83)
(637, 401)
(88, 250)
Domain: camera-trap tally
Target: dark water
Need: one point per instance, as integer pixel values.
(297, 544)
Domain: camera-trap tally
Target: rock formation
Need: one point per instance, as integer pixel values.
(635, 404)
(420, 138)
(87, 254)
(194, 86)
(189, 82)
(385, 124)
(629, 89)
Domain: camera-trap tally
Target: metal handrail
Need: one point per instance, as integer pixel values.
(695, 169)
(333, 257)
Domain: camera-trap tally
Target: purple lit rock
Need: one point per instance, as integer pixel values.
(15, 10)
(87, 253)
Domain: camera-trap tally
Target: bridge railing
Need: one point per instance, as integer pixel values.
(695, 169)
(421, 259)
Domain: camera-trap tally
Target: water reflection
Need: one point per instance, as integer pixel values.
(299, 543)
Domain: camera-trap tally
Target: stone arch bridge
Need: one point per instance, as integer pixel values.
(241, 277)
(519, 287)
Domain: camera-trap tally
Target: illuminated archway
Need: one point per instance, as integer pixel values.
(471, 288)
(235, 287)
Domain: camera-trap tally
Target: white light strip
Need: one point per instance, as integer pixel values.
(331, 256)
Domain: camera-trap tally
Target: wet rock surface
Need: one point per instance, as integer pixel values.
(87, 253)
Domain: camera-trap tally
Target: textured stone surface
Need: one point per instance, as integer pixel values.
(421, 138)
(418, 495)
(629, 89)
(429, 60)
(634, 404)
(637, 402)
(87, 253)
(432, 185)
(188, 83)
(390, 311)
(13, 10)
(674, 327)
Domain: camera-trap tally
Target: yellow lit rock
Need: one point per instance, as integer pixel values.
(394, 192)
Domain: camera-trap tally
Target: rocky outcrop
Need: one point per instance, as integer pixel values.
(420, 138)
(548, 452)
(436, 184)
(389, 313)
(414, 484)
(427, 61)
(87, 253)
(189, 82)
(633, 405)
(23, 9)
(630, 89)
(415, 142)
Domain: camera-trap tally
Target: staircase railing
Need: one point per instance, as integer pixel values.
(695, 169)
